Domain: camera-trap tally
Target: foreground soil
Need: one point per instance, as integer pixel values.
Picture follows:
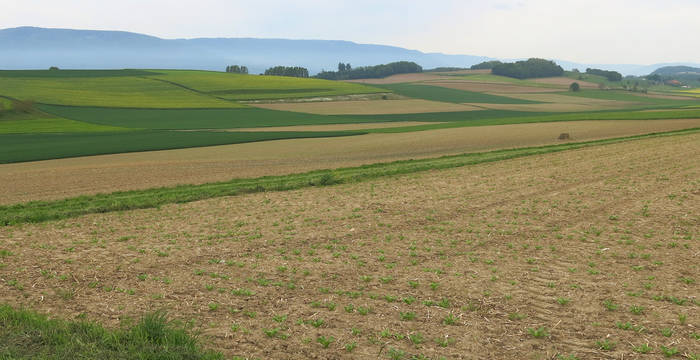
(591, 253)
(56, 179)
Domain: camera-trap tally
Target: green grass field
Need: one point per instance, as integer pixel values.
(23, 147)
(117, 91)
(50, 125)
(28, 335)
(255, 87)
(187, 119)
(438, 93)
(73, 73)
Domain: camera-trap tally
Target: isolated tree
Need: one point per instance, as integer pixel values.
(53, 68)
(341, 67)
(574, 87)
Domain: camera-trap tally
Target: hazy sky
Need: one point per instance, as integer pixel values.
(591, 31)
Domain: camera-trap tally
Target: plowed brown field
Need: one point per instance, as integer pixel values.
(559, 254)
(54, 179)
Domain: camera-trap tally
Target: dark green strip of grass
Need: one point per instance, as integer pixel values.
(607, 115)
(192, 119)
(38, 211)
(73, 73)
(44, 146)
(27, 335)
(438, 93)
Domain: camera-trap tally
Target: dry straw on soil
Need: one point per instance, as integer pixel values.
(470, 258)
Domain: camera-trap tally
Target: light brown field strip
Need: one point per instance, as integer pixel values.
(564, 82)
(369, 107)
(337, 127)
(499, 88)
(55, 179)
(463, 263)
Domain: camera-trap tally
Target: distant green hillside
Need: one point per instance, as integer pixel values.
(676, 70)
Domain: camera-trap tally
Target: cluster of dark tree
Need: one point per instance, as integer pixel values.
(371, 72)
(486, 65)
(293, 71)
(610, 75)
(531, 68)
(238, 69)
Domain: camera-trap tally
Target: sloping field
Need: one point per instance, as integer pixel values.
(62, 178)
(588, 254)
(491, 87)
(193, 119)
(548, 107)
(114, 91)
(401, 78)
(338, 127)
(250, 87)
(439, 93)
(16, 148)
(564, 82)
(411, 106)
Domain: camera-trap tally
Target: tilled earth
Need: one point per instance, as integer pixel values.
(585, 254)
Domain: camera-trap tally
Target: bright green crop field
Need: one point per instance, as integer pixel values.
(115, 91)
(254, 87)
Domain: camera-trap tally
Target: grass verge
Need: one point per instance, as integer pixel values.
(27, 335)
(39, 211)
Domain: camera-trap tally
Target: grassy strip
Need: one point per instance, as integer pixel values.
(23, 147)
(28, 335)
(38, 211)
(607, 115)
(439, 93)
(50, 125)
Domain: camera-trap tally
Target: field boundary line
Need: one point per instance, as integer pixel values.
(41, 211)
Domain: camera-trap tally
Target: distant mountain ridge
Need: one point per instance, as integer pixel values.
(40, 48)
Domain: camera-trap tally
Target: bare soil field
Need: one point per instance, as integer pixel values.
(565, 82)
(590, 253)
(370, 107)
(55, 179)
(496, 88)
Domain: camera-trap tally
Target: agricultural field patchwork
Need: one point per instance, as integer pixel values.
(587, 253)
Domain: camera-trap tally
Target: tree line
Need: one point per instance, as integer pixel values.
(293, 71)
(347, 72)
(610, 75)
(531, 68)
(238, 69)
(486, 65)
